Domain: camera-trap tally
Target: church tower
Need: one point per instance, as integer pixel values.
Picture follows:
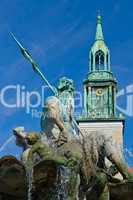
(100, 88)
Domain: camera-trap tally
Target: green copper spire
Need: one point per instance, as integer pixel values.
(99, 32)
(99, 56)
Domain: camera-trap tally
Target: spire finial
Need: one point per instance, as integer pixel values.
(99, 18)
(99, 33)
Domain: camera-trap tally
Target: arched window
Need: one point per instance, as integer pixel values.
(99, 60)
(107, 58)
(91, 62)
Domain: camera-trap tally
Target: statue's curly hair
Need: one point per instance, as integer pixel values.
(32, 138)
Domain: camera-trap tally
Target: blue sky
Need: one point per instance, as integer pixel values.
(59, 34)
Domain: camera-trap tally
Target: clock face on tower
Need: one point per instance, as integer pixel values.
(99, 92)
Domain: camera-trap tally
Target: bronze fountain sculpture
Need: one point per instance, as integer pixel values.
(60, 163)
